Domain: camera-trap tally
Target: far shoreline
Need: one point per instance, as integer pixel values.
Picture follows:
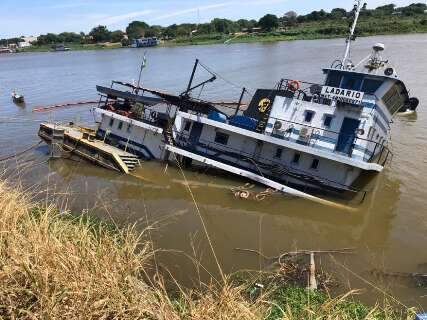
(264, 38)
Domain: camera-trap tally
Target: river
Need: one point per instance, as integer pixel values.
(389, 229)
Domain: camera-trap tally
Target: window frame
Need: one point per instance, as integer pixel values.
(328, 116)
(279, 153)
(219, 135)
(296, 158)
(309, 112)
(187, 126)
(313, 162)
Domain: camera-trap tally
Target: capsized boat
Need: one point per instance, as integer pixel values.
(300, 138)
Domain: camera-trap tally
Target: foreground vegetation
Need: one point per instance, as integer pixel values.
(56, 266)
(387, 19)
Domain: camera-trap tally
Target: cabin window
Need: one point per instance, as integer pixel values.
(371, 86)
(327, 121)
(315, 164)
(279, 153)
(129, 129)
(334, 79)
(120, 126)
(187, 126)
(352, 82)
(111, 122)
(308, 116)
(297, 158)
(221, 138)
(394, 99)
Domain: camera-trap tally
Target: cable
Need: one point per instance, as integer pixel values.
(20, 153)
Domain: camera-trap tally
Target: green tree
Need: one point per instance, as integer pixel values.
(223, 26)
(338, 13)
(385, 10)
(137, 29)
(117, 36)
(100, 34)
(269, 22)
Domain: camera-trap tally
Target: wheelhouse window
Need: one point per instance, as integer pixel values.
(111, 122)
(315, 164)
(352, 82)
(279, 153)
(308, 116)
(296, 159)
(395, 98)
(327, 120)
(120, 126)
(221, 138)
(370, 86)
(334, 79)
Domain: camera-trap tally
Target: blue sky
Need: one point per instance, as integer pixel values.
(34, 17)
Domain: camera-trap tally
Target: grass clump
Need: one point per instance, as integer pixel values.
(56, 266)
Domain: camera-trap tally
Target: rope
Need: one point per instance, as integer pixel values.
(222, 78)
(20, 153)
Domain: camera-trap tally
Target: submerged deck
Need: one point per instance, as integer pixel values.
(82, 142)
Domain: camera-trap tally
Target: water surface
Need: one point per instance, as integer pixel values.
(388, 229)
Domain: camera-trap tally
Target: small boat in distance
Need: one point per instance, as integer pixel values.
(17, 98)
(60, 48)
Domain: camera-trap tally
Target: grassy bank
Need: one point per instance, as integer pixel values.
(56, 266)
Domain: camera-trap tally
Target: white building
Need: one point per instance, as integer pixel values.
(27, 41)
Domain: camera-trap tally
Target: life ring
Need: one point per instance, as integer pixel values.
(294, 85)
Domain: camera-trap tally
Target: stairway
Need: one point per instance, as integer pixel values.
(131, 161)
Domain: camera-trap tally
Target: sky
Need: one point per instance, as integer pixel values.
(34, 17)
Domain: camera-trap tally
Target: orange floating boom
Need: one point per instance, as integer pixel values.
(63, 105)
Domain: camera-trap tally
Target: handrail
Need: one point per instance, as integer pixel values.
(338, 135)
(207, 144)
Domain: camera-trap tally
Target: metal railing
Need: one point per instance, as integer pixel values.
(262, 166)
(377, 152)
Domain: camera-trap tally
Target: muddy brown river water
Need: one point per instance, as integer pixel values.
(389, 229)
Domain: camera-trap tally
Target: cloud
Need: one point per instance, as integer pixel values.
(191, 10)
(111, 20)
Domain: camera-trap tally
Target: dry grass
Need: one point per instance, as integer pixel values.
(56, 267)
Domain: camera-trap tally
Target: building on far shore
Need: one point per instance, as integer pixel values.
(28, 41)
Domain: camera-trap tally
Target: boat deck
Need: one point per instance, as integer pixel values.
(82, 142)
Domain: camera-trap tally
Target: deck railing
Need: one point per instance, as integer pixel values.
(342, 144)
(260, 165)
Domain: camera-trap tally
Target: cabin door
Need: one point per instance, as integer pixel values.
(196, 132)
(347, 135)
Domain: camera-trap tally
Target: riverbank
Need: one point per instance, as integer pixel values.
(55, 265)
(325, 29)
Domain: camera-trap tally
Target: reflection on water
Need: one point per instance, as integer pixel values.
(388, 229)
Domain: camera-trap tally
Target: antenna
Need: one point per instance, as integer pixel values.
(350, 38)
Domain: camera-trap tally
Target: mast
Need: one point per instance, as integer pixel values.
(357, 9)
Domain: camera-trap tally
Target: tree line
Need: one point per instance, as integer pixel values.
(269, 22)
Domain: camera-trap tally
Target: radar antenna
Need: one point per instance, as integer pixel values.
(356, 11)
